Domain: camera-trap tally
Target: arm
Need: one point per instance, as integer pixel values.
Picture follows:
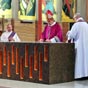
(73, 33)
(42, 38)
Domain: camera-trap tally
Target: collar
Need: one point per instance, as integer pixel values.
(52, 24)
(80, 19)
(8, 31)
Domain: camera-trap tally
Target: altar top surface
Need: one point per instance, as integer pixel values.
(38, 42)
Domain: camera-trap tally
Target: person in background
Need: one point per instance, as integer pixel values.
(52, 31)
(9, 35)
(79, 34)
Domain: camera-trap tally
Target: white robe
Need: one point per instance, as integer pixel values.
(79, 33)
(5, 35)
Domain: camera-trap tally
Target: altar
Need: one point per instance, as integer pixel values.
(37, 62)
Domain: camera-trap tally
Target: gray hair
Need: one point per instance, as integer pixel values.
(77, 15)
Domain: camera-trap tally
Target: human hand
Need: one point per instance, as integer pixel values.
(67, 34)
(41, 40)
(11, 39)
(47, 40)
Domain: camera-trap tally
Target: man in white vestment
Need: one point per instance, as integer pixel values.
(9, 35)
(79, 33)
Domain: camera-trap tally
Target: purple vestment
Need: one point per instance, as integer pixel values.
(52, 31)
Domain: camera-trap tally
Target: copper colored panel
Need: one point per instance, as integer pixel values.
(21, 68)
(4, 55)
(17, 61)
(40, 66)
(8, 64)
(0, 62)
(31, 67)
(35, 58)
(13, 54)
(26, 55)
(45, 53)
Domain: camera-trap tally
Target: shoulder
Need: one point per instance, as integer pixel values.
(76, 24)
(58, 25)
(75, 27)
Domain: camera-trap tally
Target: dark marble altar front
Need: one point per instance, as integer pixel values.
(37, 62)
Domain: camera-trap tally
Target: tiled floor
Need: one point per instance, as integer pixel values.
(19, 84)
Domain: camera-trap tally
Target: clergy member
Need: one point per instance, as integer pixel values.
(52, 31)
(9, 35)
(79, 33)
